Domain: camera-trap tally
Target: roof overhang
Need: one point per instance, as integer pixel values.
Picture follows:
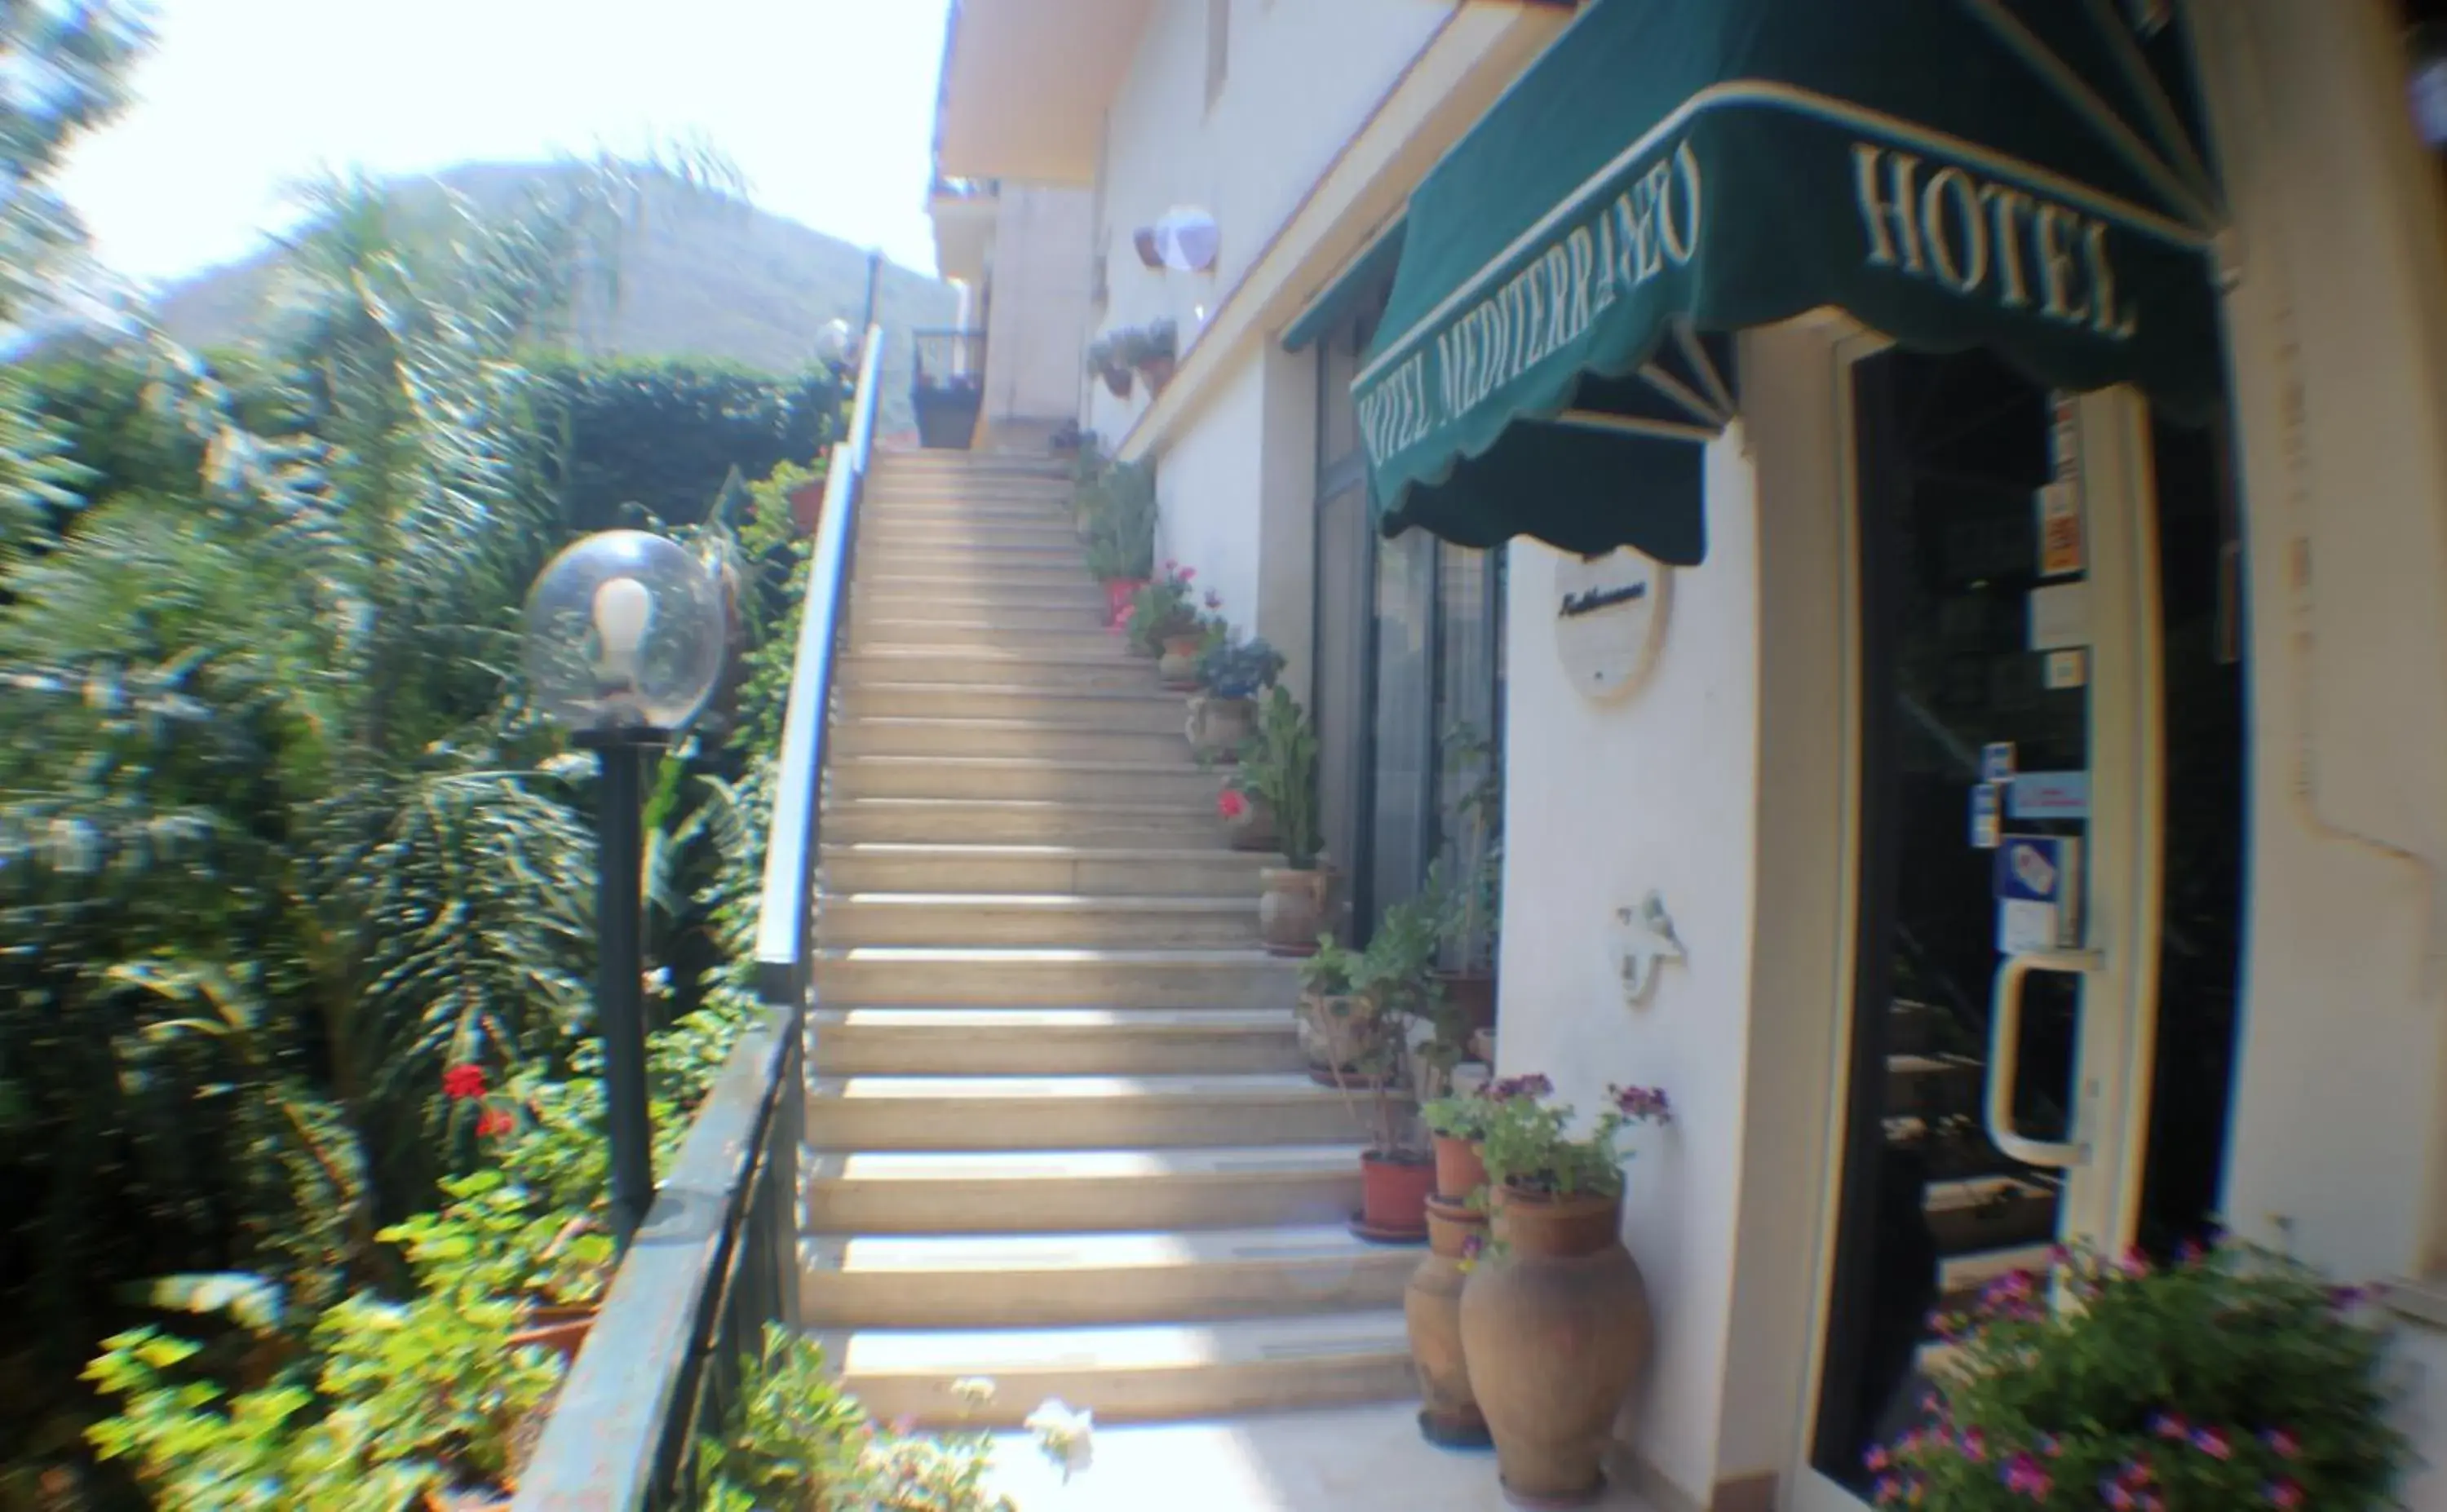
(964, 231)
(1027, 84)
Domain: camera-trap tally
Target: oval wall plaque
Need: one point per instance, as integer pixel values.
(1610, 619)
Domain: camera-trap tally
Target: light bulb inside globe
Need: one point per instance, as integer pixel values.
(623, 610)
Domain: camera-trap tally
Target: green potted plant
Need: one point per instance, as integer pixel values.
(2232, 1378)
(1337, 1019)
(1164, 622)
(1223, 712)
(1120, 548)
(1106, 361)
(1457, 1123)
(1278, 768)
(1397, 1171)
(1554, 1317)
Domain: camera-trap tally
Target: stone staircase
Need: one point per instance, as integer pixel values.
(1061, 1135)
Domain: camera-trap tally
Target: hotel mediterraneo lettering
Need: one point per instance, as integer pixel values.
(1654, 225)
(1987, 241)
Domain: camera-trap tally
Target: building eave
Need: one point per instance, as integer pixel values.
(1027, 84)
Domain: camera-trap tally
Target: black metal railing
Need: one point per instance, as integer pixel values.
(718, 1256)
(947, 358)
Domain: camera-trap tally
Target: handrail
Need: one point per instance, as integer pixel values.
(717, 1256)
(783, 927)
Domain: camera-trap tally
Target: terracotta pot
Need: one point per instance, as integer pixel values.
(1461, 1167)
(1253, 828)
(1394, 1198)
(1292, 911)
(1118, 593)
(1470, 996)
(1333, 1033)
(1431, 1307)
(1178, 667)
(1556, 1330)
(1482, 1047)
(1220, 726)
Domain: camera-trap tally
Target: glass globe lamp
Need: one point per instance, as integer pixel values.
(625, 633)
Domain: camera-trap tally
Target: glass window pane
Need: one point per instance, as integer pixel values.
(1469, 672)
(1406, 584)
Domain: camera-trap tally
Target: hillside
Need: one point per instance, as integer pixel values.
(700, 277)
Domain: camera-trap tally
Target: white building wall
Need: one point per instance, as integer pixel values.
(1207, 488)
(1603, 804)
(1041, 274)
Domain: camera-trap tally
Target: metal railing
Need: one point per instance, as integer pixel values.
(718, 1256)
(945, 358)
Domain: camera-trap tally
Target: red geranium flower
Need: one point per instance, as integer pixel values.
(463, 1083)
(495, 1122)
(1231, 805)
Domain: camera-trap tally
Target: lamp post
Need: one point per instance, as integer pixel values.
(624, 640)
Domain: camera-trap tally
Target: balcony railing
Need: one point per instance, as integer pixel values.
(719, 1258)
(947, 388)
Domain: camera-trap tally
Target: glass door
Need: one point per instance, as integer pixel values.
(1996, 1083)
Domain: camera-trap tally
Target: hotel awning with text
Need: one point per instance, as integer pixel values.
(2021, 174)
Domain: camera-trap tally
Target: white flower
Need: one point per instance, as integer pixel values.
(1067, 1438)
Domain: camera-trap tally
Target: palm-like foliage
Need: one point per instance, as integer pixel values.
(279, 839)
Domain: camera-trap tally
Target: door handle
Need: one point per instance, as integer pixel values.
(2006, 1053)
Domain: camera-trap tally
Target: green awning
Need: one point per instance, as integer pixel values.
(1366, 273)
(2019, 175)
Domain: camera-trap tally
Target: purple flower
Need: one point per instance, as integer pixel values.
(2282, 1444)
(2213, 1443)
(2283, 1494)
(1533, 1086)
(2168, 1426)
(2024, 1476)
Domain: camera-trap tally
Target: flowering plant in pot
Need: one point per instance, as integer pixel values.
(1223, 714)
(1278, 768)
(1249, 821)
(1554, 1316)
(1121, 538)
(1165, 609)
(1337, 1018)
(2232, 1378)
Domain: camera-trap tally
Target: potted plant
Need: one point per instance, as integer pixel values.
(1248, 820)
(1224, 713)
(1156, 354)
(1457, 1125)
(1105, 361)
(1337, 1019)
(1164, 622)
(1554, 1317)
(1121, 547)
(2232, 1378)
(1391, 975)
(1279, 768)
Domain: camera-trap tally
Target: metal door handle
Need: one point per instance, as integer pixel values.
(2005, 1052)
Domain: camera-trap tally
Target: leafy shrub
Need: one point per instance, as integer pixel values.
(1529, 1147)
(2231, 1379)
(1280, 766)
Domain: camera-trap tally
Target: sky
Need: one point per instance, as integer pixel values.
(828, 108)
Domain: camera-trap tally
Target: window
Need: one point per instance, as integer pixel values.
(1219, 49)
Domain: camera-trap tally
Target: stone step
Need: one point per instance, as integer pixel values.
(918, 975)
(1053, 1041)
(1930, 1086)
(1129, 872)
(1114, 670)
(1051, 536)
(990, 568)
(1067, 639)
(912, 735)
(1146, 708)
(1989, 1213)
(869, 610)
(933, 591)
(1013, 822)
(1036, 918)
(1027, 511)
(1060, 1113)
(1039, 1280)
(1136, 1373)
(1041, 1191)
(1181, 783)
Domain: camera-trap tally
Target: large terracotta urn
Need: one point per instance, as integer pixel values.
(1178, 665)
(1449, 1415)
(1291, 912)
(1555, 1329)
(1220, 726)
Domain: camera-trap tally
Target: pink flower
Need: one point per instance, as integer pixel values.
(463, 1083)
(2283, 1494)
(2283, 1444)
(1188, 574)
(2025, 1476)
(1230, 803)
(495, 1122)
(2213, 1443)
